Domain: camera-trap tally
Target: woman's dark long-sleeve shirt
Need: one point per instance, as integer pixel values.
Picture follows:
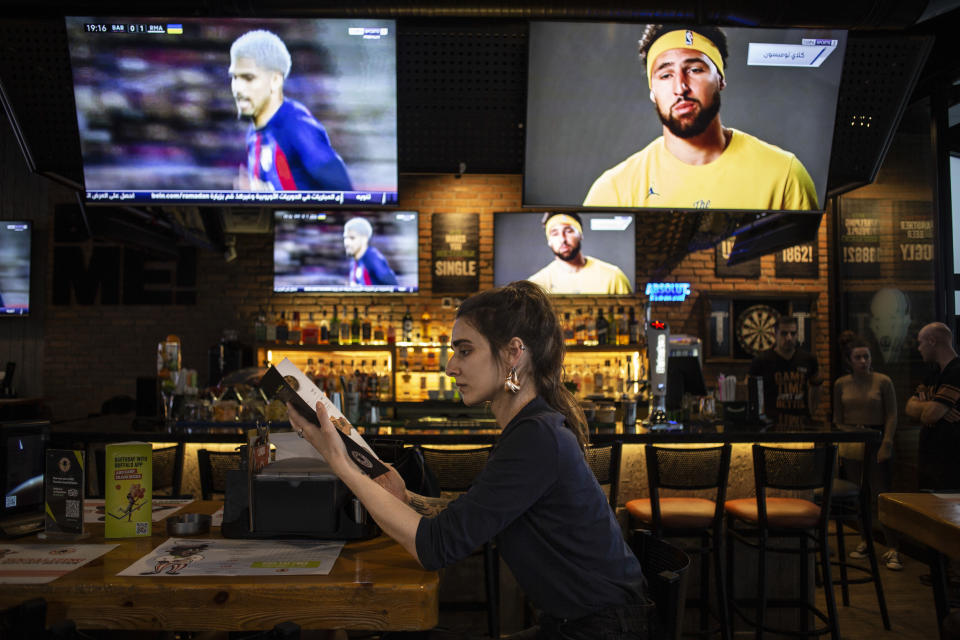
(553, 524)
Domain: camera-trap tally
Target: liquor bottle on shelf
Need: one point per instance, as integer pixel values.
(260, 327)
(613, 335)
(569, 337)
(591, 335)
(310, 333)
(623, 335)
(384, 383)
(366, 330)
(379, 336)
(407, 333)
(577, 379)
(293, 336)
(633, 329)
(324, 337)
(345, 330)
(598, 380)
(602, 327)
(356, 328)
(580, 327)
(334, 336)
(586, 380)
(425, 325)
(283, 330)
(271, 330)
(391, 330)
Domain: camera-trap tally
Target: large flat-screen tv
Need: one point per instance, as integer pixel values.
(236, 111)
(14, 267)
(566, 252)
(345, 252)
(603, 131)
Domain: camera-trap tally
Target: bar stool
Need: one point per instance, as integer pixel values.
(755, 521)
(853, 503)
(689, 517)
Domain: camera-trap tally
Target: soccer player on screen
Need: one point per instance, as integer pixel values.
(287, 148)
(571, 271)
(367, 264)
(697, 162)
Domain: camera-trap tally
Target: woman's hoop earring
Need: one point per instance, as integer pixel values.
(512, 383)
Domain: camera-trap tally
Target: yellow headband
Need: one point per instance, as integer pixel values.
(682, 39)
(562, 218)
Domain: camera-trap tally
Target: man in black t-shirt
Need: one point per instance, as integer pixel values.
(791, 378)
(936, 405)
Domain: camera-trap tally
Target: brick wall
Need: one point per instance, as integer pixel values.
(97, 351)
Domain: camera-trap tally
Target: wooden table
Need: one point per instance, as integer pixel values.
(374, 584)
(934, 521)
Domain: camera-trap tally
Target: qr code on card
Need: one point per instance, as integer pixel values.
(72, 508)
(142, 528)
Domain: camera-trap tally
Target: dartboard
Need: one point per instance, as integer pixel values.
(755, 328)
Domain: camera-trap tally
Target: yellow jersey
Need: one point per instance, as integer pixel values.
(596, 277)
(749, 174)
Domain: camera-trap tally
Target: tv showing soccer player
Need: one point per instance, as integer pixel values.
(680, 116)
(236, 111)
(14, 267)
(566, 252)
(345, 252)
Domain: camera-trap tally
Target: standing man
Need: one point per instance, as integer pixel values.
(367, 264)
(936, 405)
(791, 378)
(697, 162)
(287, 148)
(572, 271)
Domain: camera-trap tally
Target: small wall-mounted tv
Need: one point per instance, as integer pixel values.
(294, 112)
(345, 252)
(753, 136)
(566, 252)
(22, 463)
(14, 267)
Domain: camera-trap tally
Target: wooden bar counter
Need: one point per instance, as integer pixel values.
(374, 584)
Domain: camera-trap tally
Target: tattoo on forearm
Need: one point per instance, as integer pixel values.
(428, 507)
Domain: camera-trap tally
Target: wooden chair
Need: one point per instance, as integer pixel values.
(665, 566)
(168, 470)
(213, 467)
(604, 461)
(455, 470)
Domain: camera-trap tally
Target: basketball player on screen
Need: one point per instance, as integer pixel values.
(367, 264)
(697, 162)
(572, 271)
(287, 148)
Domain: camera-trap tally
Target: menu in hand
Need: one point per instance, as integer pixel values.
(286, 382)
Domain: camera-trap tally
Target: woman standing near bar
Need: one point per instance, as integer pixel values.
(866, 399)
(537, 495)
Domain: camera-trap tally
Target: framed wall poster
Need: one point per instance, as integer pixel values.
(748, 269)
(742, 327)
(455, 256)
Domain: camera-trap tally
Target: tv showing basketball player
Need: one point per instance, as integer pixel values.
(660, 138)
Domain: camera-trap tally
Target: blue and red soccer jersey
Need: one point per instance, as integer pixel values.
(371, 268)
(292, 152)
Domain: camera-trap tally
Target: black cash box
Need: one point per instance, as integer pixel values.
(295, 497)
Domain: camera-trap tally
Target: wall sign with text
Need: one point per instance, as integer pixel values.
(800, 261)
(913, 236)
(456, 252)
(859, 239)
